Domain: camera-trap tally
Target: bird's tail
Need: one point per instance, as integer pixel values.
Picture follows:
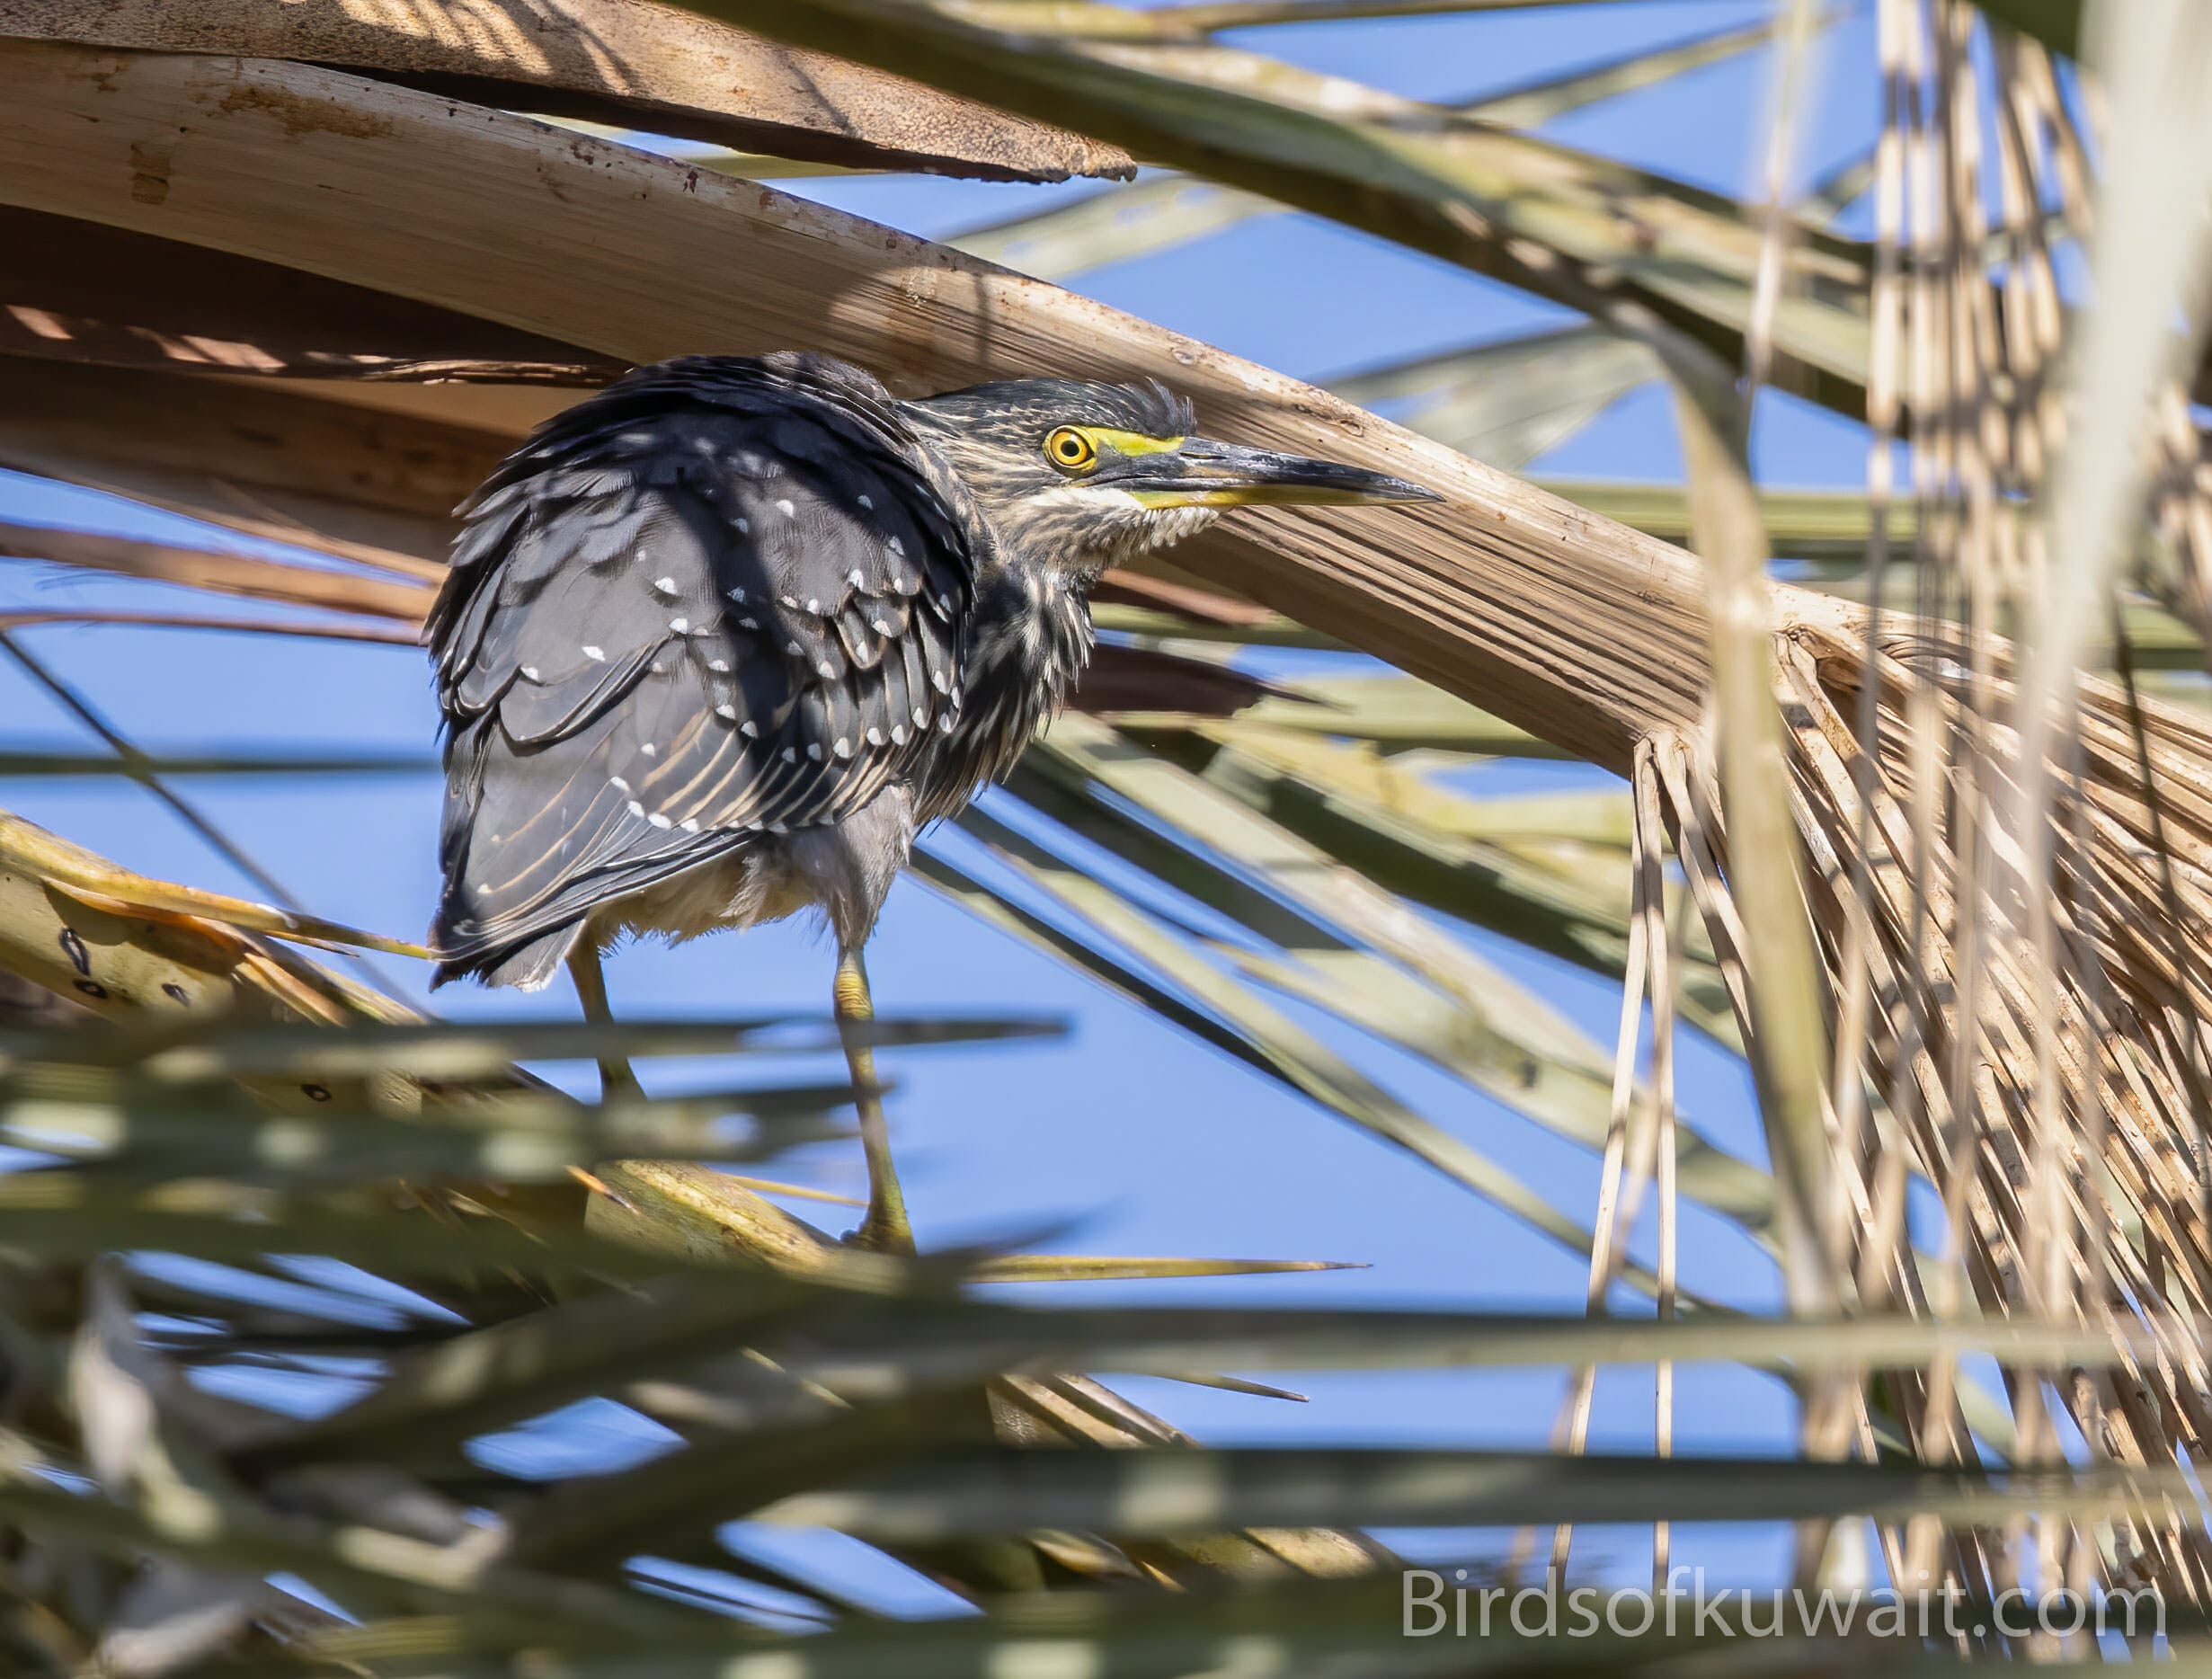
(529, 966)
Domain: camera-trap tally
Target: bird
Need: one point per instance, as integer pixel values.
(717, 641)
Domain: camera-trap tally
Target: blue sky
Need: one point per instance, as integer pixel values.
(1150, 1142)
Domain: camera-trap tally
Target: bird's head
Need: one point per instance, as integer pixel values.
(1081, 475)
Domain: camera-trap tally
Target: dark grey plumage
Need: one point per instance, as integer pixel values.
(718, 639)
(721, 602)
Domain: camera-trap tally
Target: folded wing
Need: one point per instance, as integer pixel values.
(723, 599)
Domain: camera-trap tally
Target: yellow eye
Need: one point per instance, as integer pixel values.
(1069, 450)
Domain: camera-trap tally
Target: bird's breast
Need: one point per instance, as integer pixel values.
(1028, 644)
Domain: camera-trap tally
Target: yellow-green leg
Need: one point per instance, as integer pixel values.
(884, 1229)
(616, 1079)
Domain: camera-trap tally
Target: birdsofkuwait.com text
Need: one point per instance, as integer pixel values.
(1690, 1607)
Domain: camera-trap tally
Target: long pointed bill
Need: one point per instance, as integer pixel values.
(1202, 473)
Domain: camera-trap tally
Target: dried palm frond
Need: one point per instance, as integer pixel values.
(625, 63)
(2006, 862)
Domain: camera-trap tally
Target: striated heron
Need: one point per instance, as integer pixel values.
(718, 640)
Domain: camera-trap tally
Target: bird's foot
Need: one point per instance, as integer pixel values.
(882, 1236)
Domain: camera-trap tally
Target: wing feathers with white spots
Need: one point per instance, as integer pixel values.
(716, 601)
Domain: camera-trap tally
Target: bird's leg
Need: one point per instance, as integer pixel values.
(616, 1079)
(886, 1228)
